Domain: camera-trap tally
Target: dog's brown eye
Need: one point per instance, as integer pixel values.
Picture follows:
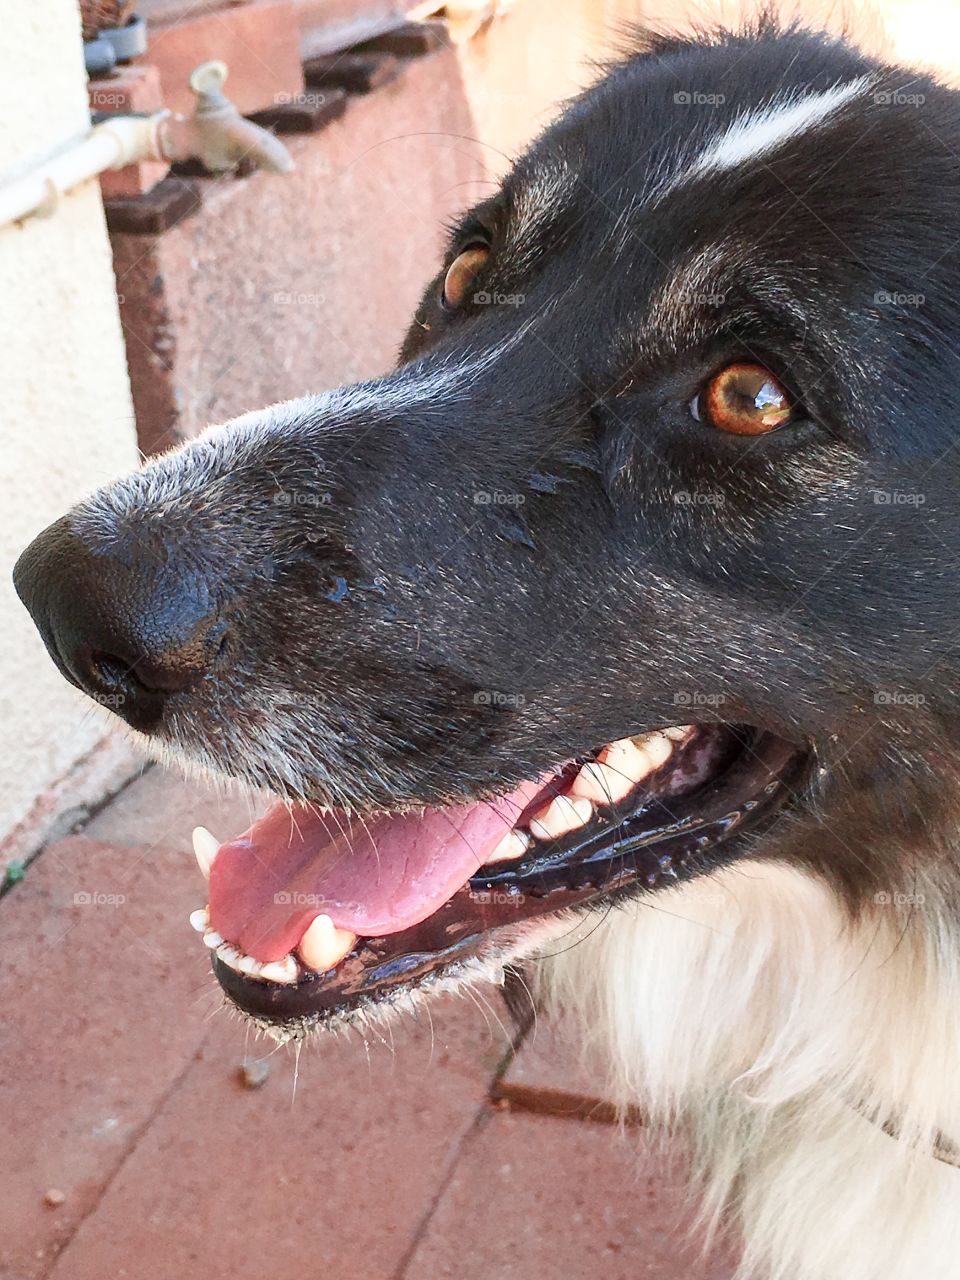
(462, 273)
(745, 399)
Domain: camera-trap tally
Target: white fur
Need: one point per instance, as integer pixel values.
(757, 133)
(749, 1011)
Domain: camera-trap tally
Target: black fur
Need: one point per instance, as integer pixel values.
(430, 593)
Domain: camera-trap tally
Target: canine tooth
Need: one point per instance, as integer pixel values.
(562, 814)
(513, 846)
(200, 919)
(324, 945)
(602, 784)
(212, 939)
(284, 971)
(206, 847)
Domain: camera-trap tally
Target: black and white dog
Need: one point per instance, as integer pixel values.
(627, 610)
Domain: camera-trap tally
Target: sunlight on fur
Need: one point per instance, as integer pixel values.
(747, 1010)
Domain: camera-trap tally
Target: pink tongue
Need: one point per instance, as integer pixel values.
(373, 877)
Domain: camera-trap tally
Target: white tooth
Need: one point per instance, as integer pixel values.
(199, 919)
(656, 749)
(212, 939)
(229, 955)
(562, 814)
(249, 966)
(206, 847)
(324, 945)
(513, 846)
(635, 758)
(284, 971)
(602, 783)
(677, 732)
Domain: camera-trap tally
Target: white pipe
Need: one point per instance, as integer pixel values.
(116, 142)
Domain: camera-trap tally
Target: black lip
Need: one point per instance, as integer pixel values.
(649, 850)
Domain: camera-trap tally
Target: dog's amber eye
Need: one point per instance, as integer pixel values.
(745, 399)
(461, 277)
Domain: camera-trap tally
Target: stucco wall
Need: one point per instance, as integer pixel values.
(66, 417)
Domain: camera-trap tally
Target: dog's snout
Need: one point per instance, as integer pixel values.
(121, 624)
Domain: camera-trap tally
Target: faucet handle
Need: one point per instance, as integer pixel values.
(209, 77)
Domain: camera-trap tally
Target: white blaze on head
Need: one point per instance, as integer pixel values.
(759, 132)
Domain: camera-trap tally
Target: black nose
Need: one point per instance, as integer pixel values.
(122, 624)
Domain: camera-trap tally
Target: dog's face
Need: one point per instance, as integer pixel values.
(671, 447)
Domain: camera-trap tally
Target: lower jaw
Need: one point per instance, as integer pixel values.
(491, 914)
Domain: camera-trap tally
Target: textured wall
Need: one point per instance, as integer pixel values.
(66, 417)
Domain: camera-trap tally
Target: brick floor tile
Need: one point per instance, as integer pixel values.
(102, 995)
(541, 1198)
(554, 1072)
(251, 1183)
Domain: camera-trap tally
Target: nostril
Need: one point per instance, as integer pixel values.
(109, 670)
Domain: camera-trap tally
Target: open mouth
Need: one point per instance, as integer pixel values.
(314, 914)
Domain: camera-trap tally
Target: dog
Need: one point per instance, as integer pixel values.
(618, 626)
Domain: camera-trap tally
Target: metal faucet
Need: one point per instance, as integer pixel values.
(216, 133)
